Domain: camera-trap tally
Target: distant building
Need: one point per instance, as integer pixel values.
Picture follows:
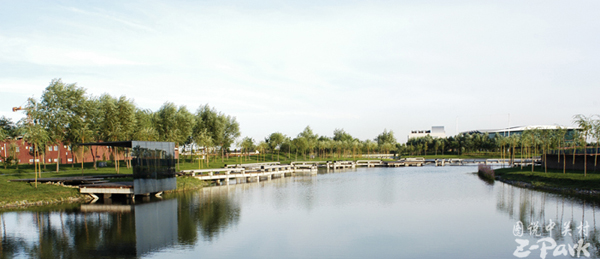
(518, 130)
(435, 132)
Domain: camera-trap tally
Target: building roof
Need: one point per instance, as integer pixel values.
(521, 128)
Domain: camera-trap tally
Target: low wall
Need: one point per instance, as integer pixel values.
(579, 162)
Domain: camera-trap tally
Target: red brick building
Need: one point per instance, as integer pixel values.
(24, 153)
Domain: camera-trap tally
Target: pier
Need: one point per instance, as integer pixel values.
(254, 172)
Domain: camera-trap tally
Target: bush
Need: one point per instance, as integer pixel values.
(486, 172)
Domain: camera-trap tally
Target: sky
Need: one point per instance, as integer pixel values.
(279, 66)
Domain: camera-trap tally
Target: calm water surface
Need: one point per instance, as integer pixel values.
(416, 212)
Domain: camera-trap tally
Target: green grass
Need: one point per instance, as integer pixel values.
(16, 191)
(189, 183)
(19, 191)
(554, 178)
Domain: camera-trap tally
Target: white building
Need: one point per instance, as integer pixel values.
(518, 130)
(435, 132)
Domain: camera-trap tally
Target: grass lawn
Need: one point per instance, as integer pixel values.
(554, 178)
(19, 191)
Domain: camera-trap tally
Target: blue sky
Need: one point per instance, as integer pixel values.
(363, 66)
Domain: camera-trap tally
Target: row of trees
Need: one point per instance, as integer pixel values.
(530, 143)
(65, 114)
(342, 144)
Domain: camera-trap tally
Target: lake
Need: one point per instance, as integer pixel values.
(414, 212)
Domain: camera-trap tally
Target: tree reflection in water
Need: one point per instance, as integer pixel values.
(530, 206)
(209, 213)
(72, 235)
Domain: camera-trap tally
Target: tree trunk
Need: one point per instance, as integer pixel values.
(82, 159)
(35, 164)
(564, 162)
(58, 159)
(93, 157)
(596, 156)
(72, 158)
(115, 159)
(585, 160)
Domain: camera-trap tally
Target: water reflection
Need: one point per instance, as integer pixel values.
(564, 219)
(125, 231)
(376, 212)
(206, 213)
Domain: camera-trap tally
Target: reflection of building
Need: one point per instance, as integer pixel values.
(518, 130)
(435, 132)
(143, 228)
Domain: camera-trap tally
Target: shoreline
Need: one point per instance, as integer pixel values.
(572, 184)
(559, 190)
(28, 204)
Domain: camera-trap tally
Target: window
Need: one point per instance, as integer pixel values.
(50, 148)
(69, 160)
(49, 160)
(31, 160)
(55, 160)
(37, 160)
(18, 149)
(69, 148)
(55, 148)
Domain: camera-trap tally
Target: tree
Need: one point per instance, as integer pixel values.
(585, 127)
(262, 146)
(341, 135)
(117, 121)
(8, 131)
(37, 136)
(275, 141)
(247, 145)
(311, 138)
(61, 106)
(175, 125)
(230, 133)
(145, 129)
(560, 141)
(209, 119)
(300, 144)
(386, 137)
(386, 140)
(596, 136)
(7, 128)
(166, 122)
(203, 139)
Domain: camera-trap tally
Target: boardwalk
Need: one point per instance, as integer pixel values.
(254, 172)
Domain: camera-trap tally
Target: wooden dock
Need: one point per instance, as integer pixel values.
(254, 172)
